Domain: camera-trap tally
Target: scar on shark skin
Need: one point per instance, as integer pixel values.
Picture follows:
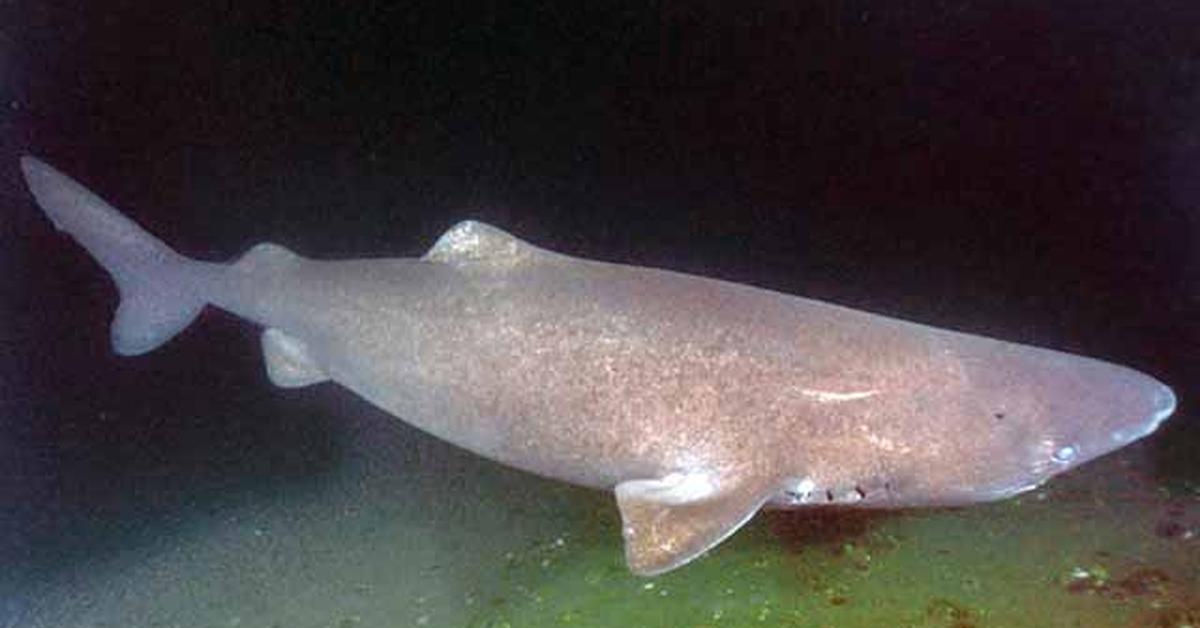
(827, 396)
(696, 401)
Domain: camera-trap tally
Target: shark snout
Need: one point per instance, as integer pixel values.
(1161, 405)
(1164, 404)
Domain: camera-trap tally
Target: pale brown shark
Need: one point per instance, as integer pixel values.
(697, 401)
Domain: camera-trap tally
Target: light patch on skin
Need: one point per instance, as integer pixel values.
(805, 490)
(1065, 454)
(804, 487)
(851, 496)
(882, 442)
(797, 491)
(1051, 457)
(681, 488)
(829, 396)
(1010, 491)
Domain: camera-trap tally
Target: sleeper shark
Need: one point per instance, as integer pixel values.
(696, 401)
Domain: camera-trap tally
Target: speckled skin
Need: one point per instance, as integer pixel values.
(595, 373)
(601, 374)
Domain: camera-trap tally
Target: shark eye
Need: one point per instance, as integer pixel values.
(1065, 454)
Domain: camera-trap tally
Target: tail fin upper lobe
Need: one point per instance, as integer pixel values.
(161, 290)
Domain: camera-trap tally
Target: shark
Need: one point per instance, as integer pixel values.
(696, 401)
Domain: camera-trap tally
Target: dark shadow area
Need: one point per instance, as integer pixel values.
(1178, 467)
(108, 448)
(830, 526)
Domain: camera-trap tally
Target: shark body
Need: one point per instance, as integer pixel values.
(697, 401)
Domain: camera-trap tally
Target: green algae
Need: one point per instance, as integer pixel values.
(1015, 563)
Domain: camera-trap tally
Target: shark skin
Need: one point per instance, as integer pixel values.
(697, 401)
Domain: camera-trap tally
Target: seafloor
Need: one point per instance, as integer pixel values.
(405, 531)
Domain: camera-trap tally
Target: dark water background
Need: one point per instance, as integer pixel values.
(1027, 170)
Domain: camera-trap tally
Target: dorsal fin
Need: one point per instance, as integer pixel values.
(266, 255)
(473, 242)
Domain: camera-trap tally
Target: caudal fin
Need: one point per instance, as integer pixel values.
(161, 290)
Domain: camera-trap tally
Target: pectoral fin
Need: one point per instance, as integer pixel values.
(671, 520)
(289, 363)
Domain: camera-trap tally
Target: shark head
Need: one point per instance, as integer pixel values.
(1035, 413)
